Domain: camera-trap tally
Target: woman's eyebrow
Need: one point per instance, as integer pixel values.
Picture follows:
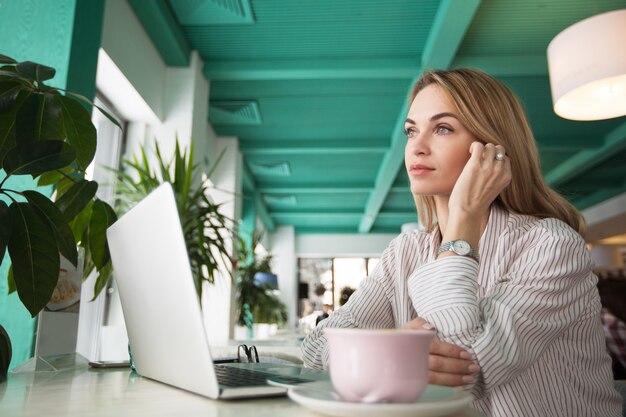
(434, 117)
(442, 115)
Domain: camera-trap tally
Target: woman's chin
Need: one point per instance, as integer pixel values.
(423, 191)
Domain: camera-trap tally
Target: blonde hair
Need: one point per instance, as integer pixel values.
(491, 112)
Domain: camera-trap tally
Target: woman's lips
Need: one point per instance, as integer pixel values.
(418, 169)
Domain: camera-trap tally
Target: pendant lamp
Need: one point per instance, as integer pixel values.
(587, 67)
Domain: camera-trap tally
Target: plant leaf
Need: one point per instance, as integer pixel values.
(64, 184)
(49, 125)
(5, 228)
(91, 103)
(79, 130)
(7, 124)
(35, 71)
(10, 73)
(39, 118)
(54, 177)
(80, 224)
(74, 200)
(62, 232)
(103, 278)
(102, 217)
(34, 255)
(5, 353)
(37, 157)
(8, 94)
(7, 60)
(11, 280)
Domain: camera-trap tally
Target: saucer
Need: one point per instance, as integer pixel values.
(434, 401)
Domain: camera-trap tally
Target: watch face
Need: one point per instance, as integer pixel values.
(461, 247)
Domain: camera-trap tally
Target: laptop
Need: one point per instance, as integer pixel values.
(162, 312)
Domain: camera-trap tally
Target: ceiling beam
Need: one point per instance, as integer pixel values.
(317, 215)
(164, 31)
(261, 209)
(505, 66)
(598, 197)
(347, 215)
(313, 147)
(400, 68)
(451, 22)
(588, 185)
(406, 189)
(314, 189)
(583, 161)
(567, 143)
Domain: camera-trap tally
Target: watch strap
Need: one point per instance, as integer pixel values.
(449, 246)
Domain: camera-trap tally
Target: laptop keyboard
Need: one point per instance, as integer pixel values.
(240, 377)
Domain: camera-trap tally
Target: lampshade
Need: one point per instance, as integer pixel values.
(587, 66)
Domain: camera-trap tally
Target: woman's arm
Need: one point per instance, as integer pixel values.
(541, 294)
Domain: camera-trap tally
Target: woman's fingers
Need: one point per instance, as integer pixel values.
(450, 365)
(450, 358)
(489, 154)
(449, 380)
(440, 348)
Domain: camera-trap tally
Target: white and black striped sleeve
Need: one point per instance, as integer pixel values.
(539, 296)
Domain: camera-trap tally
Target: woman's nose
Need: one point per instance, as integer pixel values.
(419, 144)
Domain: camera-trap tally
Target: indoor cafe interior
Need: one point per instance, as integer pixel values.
(280, 126)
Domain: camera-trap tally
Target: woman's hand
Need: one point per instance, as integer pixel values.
(448, 364)
(481, 181)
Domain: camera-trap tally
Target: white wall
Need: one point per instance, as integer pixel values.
(284, 264)
(218, 299)
(606, 219)
(129, 46)
(344, 245)
(160, 102)
(607, 257)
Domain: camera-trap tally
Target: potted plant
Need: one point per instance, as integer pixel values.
(205, 228)
(47, 133)
(256, 285)
(5, 353)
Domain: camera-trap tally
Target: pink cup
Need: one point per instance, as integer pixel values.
(379, 365)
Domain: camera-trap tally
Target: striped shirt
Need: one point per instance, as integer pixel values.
(529, 313)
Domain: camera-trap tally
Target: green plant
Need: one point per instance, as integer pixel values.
(49, 136)
(204, 227)
(5, 353)
(256, 303)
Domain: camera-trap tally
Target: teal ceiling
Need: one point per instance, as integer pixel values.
(315, 91)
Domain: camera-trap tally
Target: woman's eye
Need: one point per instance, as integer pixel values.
(443, 130)
(409, 133)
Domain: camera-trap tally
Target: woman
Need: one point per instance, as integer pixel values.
(501, 272)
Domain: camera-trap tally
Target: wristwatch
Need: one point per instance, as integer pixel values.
(460, 247)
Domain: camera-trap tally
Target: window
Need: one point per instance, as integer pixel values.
(321, 282)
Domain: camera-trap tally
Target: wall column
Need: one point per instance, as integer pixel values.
(218, 300)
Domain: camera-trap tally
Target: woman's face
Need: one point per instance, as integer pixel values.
(437, 146)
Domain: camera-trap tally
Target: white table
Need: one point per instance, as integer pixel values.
(116, 392)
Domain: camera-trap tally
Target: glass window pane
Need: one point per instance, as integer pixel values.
(315, 284)
(349, 272)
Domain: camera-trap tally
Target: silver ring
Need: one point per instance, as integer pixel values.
(500, 156)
